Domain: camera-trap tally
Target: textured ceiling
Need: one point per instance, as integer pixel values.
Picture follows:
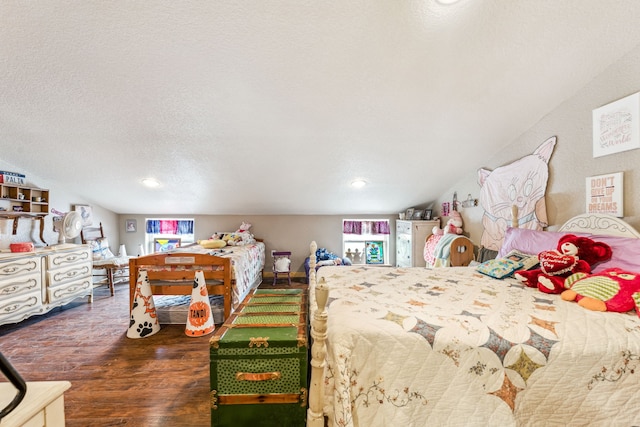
(274, 107)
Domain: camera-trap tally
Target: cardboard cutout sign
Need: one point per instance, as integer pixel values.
(522, 184)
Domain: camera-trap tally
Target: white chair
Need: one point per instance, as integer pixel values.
(105, 263)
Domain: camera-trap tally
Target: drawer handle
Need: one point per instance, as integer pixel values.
(250, 376)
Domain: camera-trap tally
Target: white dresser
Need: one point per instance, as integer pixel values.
(410, 239)
(34, 283)
(43, 405)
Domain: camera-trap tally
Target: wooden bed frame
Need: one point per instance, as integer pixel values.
(596, 224)
(217, 272)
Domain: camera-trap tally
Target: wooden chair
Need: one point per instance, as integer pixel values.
(461, 253)
(105, 263)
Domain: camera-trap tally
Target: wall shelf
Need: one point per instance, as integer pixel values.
(22, 201)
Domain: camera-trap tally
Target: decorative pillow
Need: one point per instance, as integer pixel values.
(212, 243)
(528, 261)
(499, 268)
(100, 249)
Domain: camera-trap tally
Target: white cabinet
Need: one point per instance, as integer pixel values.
(43, 405)
(34, 283)
(410, 239)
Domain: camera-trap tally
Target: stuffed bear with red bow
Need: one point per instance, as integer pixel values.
(574, 254)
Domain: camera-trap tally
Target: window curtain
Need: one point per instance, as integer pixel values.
(169, 226)
(365, 227)
(352, 227)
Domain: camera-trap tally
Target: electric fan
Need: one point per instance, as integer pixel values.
(68, 225)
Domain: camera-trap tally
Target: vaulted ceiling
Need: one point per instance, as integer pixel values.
(274, 107)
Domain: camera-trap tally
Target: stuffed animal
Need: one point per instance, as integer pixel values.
(573, 255)
(244, 227)
(612, 289)
(453, 225)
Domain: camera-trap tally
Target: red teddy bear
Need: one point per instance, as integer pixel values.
(574, 255)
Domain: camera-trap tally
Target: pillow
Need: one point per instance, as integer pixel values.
(528, 261)
(625, 250)
(100, 249)
(212, 243)
(530, 241)
(499, 268)
(625, 253)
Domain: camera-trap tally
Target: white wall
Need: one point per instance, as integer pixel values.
(572, 160)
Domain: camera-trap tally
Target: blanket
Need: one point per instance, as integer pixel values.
(452, 347)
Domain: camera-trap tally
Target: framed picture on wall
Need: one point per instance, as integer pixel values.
(131, 226)
(605, 194)
(616, 126)
(85, 213)
(374, 252)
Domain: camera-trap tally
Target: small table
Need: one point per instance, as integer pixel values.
(43, 404)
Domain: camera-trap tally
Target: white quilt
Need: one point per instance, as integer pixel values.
(451, 347)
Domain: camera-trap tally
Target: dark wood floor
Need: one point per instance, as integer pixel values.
(161, 380)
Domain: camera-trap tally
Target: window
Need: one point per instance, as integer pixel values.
(168, 229)
(366, 241)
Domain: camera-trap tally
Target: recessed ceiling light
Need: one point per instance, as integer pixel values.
(151, 182)
(358, 183)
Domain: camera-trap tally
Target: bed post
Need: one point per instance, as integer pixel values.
(514, 217)
(315, 417)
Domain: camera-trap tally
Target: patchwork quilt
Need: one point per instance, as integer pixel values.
(450, 346)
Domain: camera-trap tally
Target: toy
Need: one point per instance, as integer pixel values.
(573, 255)
(453, 225)
(244, 227)
(612, 289)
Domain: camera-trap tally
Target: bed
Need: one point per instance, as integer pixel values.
(450, 346)
(231, 271)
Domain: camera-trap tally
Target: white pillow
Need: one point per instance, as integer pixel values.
(100, 249)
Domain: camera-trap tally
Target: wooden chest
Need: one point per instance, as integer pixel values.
(258, 362)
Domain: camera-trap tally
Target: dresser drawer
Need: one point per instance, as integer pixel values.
(403, 227)
(63, 275)
(13, 308)
(70, 290)
(67, 258)
(22, 284)
(18, 267)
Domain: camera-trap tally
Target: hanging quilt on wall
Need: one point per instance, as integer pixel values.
(523, 184)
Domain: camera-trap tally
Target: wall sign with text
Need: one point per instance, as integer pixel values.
(605, 194)
(616, 126)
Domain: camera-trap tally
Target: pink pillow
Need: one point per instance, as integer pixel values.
(626, 250)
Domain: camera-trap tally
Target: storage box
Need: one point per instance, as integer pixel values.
(258, 362)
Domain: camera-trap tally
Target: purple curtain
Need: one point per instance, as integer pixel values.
(352, 227)
(380, 227)
(373, 227)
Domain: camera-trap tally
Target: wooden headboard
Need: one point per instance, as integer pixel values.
(174, 273)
